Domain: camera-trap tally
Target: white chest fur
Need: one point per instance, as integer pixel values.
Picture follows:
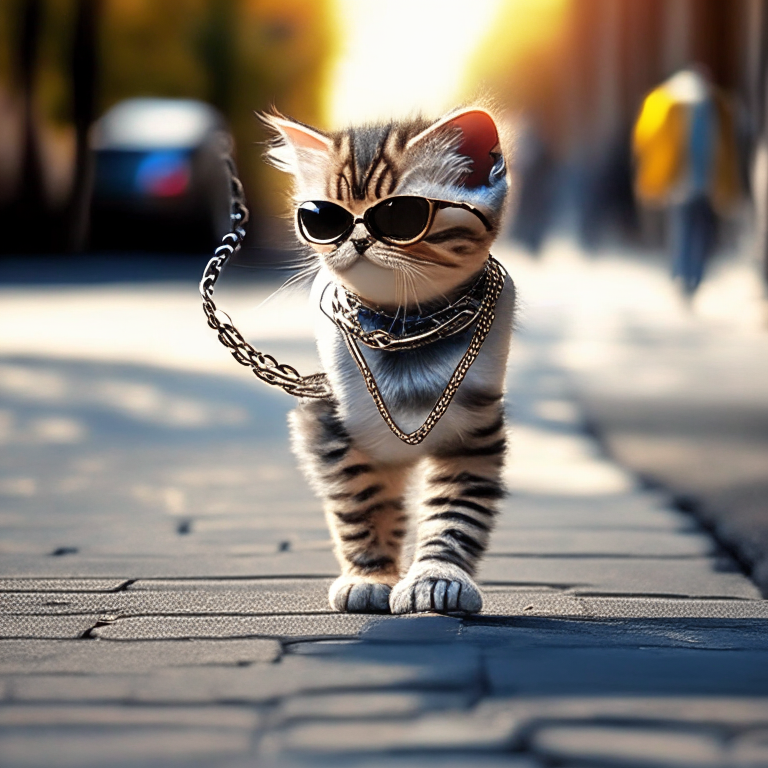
(412, 386)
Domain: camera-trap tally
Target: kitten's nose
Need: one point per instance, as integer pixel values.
(362, 244)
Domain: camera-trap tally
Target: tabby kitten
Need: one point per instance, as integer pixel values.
(352, 459)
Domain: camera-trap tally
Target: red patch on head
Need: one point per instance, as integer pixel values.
(479, 140)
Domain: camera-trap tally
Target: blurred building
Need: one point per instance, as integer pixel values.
(577, 68)
(584, 86)
(63, 63)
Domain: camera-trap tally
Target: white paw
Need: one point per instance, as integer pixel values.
(351, 594)
(437, 587)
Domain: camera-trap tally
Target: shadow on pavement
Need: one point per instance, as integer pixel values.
(106, 403)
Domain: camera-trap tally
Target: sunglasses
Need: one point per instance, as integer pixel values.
(402, 220)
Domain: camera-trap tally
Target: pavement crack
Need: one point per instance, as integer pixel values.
(184, 527)
(103, 621)
(61, 551)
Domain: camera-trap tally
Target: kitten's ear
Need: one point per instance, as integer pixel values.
(294, 133)
(479, 141)
(289, 139)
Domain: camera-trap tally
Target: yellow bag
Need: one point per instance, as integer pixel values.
(659, 143)
(661, 147)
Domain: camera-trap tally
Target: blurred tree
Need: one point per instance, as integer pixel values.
(239, 55)
(147, 49)
(31, 193)
(85, 77)
(284, 50)
(28, 203)
(217, 53)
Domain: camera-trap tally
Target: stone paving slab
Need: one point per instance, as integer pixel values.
(616, 743)
(600, 543)
(332, 625)
(137, 746)
(368, 705)
(624, 671)
(522, 603)
(120, 539)
(641, 511)
(46, 584)
(45, 627)
(442, 732)
(91, 657)
(518, 517)
(260, 598)
(287, 564)
(561, 632)
(234, 541)
(52, 715)
(690, 577)
(643, 608)
(294, 586)
(736, 712)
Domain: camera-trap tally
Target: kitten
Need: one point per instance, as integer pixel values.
(352, 459)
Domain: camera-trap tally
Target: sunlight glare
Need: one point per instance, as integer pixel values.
(403, 56)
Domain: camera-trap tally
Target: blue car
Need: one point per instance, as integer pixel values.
(159, 183)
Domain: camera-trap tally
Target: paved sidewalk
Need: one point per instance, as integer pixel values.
(163, 577)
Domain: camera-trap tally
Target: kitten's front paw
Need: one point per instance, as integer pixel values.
(353, 594)
(437, 587)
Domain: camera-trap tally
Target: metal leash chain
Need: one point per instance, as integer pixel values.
(460, 315)
(264, 366)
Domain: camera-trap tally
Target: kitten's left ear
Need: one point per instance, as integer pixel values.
(295, 134)
(479, 142)
(295, 148)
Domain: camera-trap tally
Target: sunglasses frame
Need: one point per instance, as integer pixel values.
(373, 230)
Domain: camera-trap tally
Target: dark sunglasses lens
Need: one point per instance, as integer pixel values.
(401, 218)
(324, 222)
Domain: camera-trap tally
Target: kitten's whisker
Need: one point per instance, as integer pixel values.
(408, 272)
(304, 274)
(401, 290)
(412, 273)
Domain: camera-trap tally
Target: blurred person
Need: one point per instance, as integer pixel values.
(686, 159)
(605, 203)
(535, 169)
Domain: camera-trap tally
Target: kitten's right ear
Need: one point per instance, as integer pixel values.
(289, 133)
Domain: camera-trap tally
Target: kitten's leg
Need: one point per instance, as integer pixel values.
(462, 499)
(363, 504)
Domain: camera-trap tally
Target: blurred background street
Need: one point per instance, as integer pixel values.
(147, 490)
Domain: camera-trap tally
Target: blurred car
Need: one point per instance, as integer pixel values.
(159, 182)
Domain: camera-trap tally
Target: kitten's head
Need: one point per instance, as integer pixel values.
(457, 159)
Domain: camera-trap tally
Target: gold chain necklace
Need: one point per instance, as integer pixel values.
(494, 276)
(347, 308)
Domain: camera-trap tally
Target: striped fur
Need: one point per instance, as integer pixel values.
(355, 464)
